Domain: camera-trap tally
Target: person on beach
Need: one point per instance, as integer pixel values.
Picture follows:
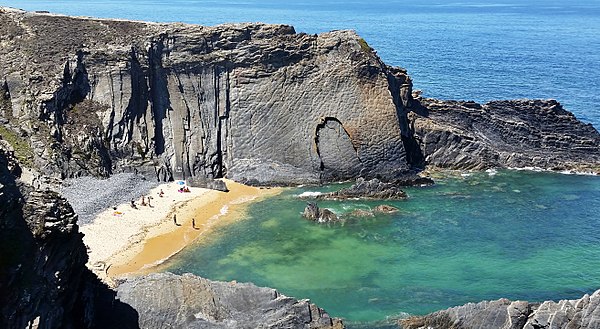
(161, 193)
(133, 204)
(149, 198)
(143, 200)
(193, 223)
(175, 219)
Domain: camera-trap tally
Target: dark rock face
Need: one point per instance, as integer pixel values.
(321, 215)
(212, 184)
(363, 189)
(43, 278)
(188, 301)
(252, 102)
(41, 253)
(502, 313)
(519, 133)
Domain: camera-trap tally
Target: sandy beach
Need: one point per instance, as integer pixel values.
(130, 241)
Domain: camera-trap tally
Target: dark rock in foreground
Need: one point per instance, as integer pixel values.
(367, 189)
(188, 301)
(503, 313)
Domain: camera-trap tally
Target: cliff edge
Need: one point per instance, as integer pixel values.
(255, 103)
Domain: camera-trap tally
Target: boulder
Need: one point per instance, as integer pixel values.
(321, 215)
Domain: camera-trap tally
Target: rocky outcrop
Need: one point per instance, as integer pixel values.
(322, 215)
(188, 301)
(367, 189)
(506, 314)
(517, 134)
(253, 102)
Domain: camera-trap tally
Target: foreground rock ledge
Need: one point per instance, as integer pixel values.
(188, 301)
(505, 314)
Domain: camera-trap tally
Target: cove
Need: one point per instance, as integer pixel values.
(471, 237)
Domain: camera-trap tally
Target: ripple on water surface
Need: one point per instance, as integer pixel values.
(521, 235)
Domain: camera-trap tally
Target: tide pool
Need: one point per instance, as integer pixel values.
(519, 235)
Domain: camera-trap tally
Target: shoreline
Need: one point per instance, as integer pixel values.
(131, 242)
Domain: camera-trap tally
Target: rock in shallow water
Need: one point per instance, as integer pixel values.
(321, 215)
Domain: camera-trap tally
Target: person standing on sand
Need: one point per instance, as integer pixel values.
(175, 219)
(193, 223)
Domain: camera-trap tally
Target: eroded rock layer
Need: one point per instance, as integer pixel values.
(257, 103)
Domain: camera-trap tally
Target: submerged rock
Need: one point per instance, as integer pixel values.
(363, 189)
(385, 209)
(361, 213)
(321, 215)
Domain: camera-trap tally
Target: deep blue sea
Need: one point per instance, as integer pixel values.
(475, 236)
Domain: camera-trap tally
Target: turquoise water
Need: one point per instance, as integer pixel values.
(521, 235)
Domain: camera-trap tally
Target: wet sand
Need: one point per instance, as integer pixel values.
(134, 241)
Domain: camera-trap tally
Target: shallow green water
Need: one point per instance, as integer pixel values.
(520, 235)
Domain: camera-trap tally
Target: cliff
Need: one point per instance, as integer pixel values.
(252, 102)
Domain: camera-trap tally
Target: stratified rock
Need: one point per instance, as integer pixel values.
(363, 189)
(213, 184)
(504, 314)
(321, 215)
(171, 301)
(516, 134)
(385, 209)
(255, 103)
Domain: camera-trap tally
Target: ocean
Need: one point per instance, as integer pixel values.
(472, 236)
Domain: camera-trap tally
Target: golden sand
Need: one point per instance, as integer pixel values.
(138, 250)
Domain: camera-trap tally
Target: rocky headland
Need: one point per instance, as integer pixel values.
(259, 104)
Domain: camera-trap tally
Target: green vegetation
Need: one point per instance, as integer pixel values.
(364, 45)
(23, 150)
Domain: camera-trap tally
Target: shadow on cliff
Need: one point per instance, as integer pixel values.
(43, 278)
(108, 311)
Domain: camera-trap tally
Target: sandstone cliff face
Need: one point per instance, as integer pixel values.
(517, 134)
(252, 102)
(505, 314)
